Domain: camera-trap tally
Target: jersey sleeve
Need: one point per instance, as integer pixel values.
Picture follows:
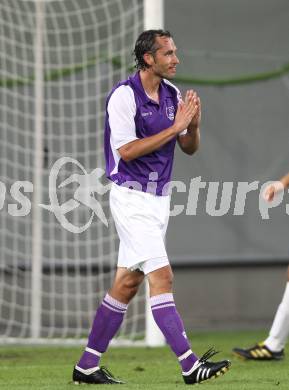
(121, 113)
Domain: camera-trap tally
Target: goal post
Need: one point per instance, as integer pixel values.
(154, 14)
(36, 257)
(58, 61)
(153, 19)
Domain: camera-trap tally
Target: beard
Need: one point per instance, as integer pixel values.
(164, 74)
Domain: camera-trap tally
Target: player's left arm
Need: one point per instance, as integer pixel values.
(189, 142)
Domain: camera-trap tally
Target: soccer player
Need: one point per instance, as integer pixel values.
(273, 347)
(145, 117)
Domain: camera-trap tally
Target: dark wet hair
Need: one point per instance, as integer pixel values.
(146, 44)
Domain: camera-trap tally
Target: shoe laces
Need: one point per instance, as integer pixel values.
(207, 355)
(107, 372)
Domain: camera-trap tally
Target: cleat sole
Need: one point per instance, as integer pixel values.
(218, 374)
(221, 372)
(240, 356)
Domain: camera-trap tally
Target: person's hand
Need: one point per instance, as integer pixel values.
(191, 96)
(272, 190)
(185, 113)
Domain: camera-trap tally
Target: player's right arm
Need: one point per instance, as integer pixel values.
(121, 110)
(147, 145)
(273, 189)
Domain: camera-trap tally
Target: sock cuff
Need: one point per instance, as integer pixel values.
(185, 355)
(114, 304)
(93, 351)
(88, 371)
(162, 299)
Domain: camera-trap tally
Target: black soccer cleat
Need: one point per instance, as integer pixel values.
(203, 370)
(258, 352)
(100, 376)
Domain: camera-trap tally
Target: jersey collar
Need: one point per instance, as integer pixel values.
(163, 91)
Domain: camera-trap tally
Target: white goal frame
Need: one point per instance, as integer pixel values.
(153, 11)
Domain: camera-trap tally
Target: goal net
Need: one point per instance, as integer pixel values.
(58, 60)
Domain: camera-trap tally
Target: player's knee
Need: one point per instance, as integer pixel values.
(167, 281)
(161, 280)
(130, 286)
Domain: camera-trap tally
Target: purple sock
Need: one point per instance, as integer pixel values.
(170, 323)
(106, 323)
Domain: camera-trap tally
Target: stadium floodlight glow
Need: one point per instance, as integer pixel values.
(59, 59)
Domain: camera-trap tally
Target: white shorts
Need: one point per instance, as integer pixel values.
(141, 221)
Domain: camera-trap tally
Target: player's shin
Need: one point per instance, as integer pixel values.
(280, 329)
(170, 323)
(107, 321)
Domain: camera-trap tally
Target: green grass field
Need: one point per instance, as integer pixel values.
(47, 367)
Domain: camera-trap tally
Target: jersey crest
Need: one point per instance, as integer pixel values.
(170, 111)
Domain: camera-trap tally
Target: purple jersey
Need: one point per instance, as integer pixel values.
(148, 118)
